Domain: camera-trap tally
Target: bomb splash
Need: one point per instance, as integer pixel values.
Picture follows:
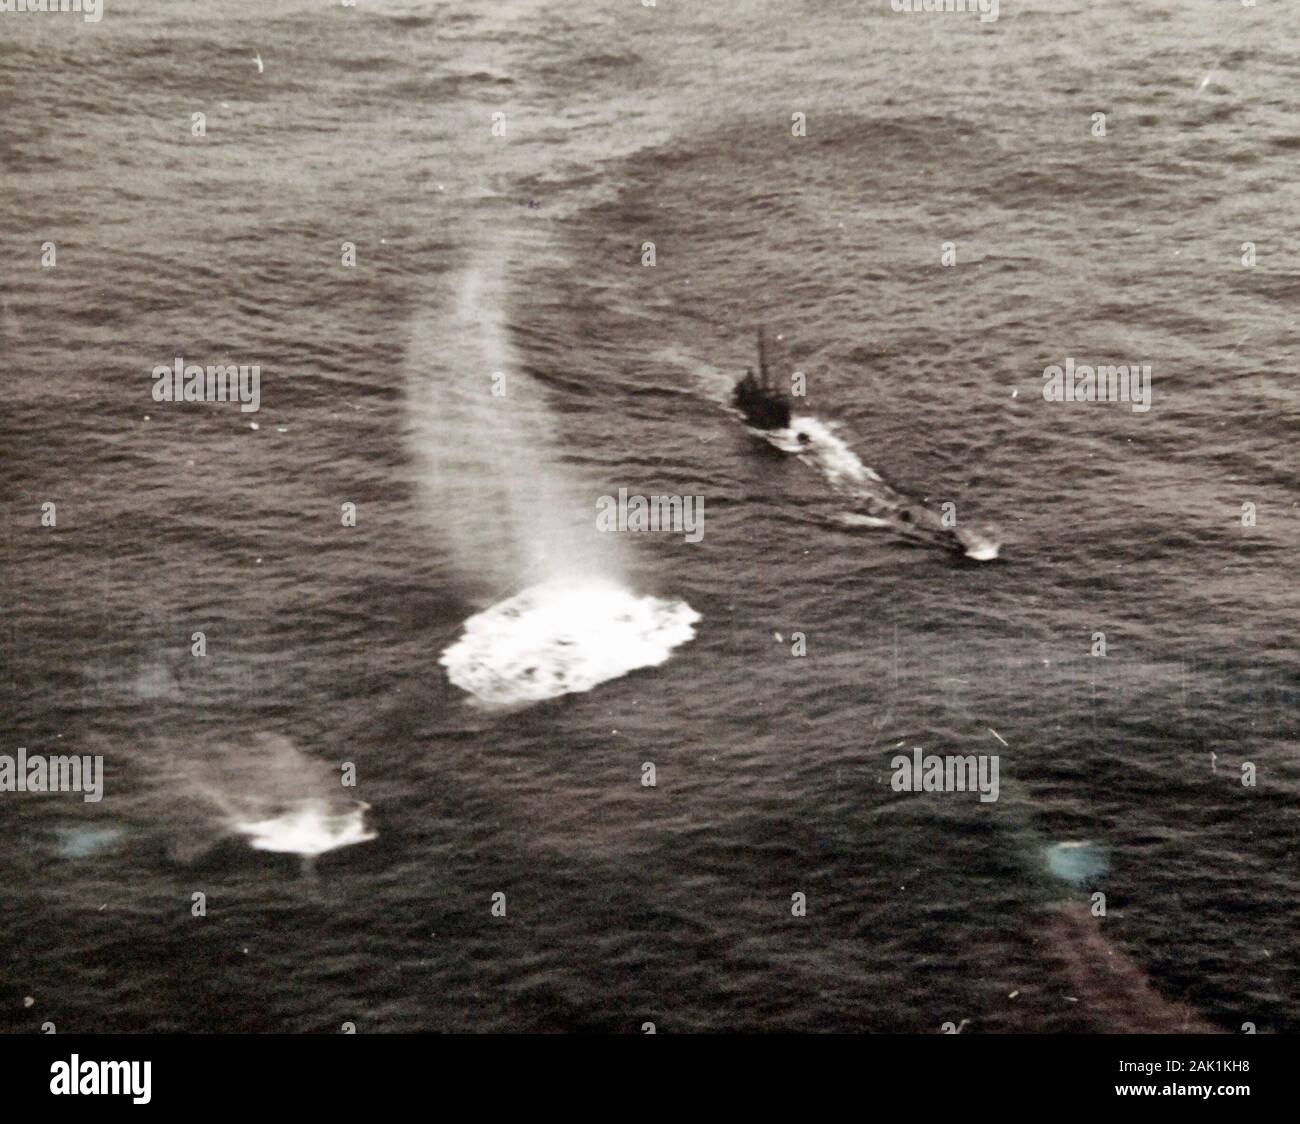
(512, 517)
(555, 640)
(272, 794)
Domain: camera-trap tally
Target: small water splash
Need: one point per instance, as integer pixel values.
(310, 827)
(268, 791)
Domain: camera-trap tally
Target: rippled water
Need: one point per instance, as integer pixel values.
(671, 124)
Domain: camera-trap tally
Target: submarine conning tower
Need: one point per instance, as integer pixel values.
(763, 403)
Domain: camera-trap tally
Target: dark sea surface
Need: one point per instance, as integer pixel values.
(522, 254)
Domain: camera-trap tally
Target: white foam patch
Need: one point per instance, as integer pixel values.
(824, 450)
(856, 519)
(558, 639)
(310, 827)
(983, 550)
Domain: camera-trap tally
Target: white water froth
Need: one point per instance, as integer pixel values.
(267, 791)
(508, 509)
(311, 827)
(558, 638)
(823, 450)
(818, 445)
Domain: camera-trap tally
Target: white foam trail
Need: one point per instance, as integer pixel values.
(818, 445)
(558, 639)
(310, 828)
(857, 519)
(825, 451)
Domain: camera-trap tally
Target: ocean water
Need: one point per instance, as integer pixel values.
(521, 255)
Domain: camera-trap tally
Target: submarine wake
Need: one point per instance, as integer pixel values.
(875, 502)
(767, 411)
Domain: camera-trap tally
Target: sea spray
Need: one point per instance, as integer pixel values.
(266, 790)
(84, 841)
(308, 827)
(492, 489)
(511, 517)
